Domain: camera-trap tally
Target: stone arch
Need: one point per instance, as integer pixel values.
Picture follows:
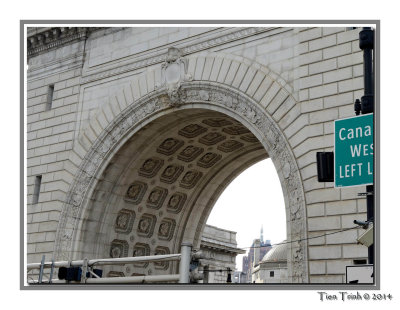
(252, 97)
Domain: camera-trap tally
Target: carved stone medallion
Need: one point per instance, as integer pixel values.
(156, 197)
(166, 229)
(171, 173)
(119, 248)
(190, 179)
(124, 221)
(192, 130)
(212, 138)
(146, 225)
(190, 153)
(174, 72)
(150, 167)
(135, 192)
(141, 249)
(229, 146)
(169, 146)
(208, 160)
(176, 202)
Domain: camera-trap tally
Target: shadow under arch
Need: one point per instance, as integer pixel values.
(197, 95)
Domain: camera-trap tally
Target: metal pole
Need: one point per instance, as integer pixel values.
(370, 217)
(41, 269)
(367, 106)
(184, 266)
(52, 270)
(107, 261)
(206, 274)
(137, 279)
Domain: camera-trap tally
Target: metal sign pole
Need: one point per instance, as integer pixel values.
(367, 106)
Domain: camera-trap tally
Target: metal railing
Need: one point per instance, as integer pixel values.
(87, 268)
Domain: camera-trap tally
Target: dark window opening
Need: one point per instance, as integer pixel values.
(36, 190)
(359, 261)
(50, 94)
(271, 274)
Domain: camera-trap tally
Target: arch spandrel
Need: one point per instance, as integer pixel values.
(193, 94)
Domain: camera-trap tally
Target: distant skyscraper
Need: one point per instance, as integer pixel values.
(250, 260)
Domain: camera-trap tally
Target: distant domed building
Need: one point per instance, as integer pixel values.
(273, 267)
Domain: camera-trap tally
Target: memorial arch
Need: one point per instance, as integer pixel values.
(166, 161)
(133, 134)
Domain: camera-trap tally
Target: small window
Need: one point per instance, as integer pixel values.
(359, 261)
(271, 274)
(50, 93)
(36, 190)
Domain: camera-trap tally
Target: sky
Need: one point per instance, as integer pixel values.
(252, 200)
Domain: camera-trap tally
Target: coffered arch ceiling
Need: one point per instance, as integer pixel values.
(160, 187)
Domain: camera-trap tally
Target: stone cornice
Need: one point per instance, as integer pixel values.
(43, 39)
(219, 247)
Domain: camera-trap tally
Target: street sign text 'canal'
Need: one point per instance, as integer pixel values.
(354, 151)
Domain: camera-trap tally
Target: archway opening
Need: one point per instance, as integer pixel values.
(253, 207)
(158, 189)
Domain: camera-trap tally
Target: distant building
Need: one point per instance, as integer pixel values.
(256, 253)
(273, 266)
(220, 247)
(239, 277)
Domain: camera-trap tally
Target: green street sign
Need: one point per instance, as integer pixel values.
(354, 151)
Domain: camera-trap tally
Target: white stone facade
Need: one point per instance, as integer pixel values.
(220, 250)
(110, 110)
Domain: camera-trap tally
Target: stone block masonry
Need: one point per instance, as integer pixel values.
(49, 143)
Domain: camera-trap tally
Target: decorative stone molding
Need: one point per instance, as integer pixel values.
(56, 37)
(211, 96)
(174, 72)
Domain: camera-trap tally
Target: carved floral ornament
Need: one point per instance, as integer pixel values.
(212, 97)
